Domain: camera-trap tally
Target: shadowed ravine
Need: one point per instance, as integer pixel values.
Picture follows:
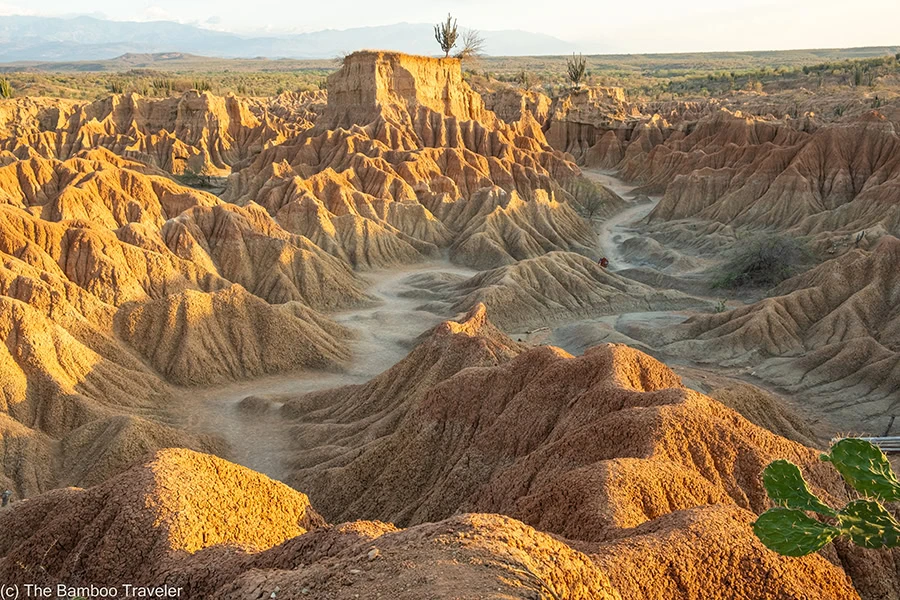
(383, 335)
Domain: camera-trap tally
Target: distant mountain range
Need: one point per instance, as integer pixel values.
(25, 38)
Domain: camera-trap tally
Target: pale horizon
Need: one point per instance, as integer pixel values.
(657, 27)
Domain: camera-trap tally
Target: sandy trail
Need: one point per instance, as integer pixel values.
(613, 232)
(384, 334)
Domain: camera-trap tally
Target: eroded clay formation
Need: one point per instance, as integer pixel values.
(480, 465)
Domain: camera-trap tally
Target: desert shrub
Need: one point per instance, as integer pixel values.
(524, 79)
(116, 86)
(5, 89)
(764, 261)
(472, 45)
(163, 85)
(592, 205)
(589, 197)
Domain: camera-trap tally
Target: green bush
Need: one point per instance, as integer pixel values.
(5, 89)
(163, 85)
(116, 86)
(789, 529)
(764, 261)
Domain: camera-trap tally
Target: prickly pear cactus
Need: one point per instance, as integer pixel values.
(788, 528)
(864, 466)
(786, 487)
(869, 525)
(792, 532)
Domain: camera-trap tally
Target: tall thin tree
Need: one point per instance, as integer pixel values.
(446, 35)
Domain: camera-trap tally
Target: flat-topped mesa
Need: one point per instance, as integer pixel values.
(375, 83)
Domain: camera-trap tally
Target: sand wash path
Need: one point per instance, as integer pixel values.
(576, 336)
(615, 230)
(384, 334)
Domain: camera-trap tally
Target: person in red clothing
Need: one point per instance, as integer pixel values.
(603, 262)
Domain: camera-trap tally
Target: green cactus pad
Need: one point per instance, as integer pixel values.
(864, 466)
(786, 487)
(869, 525)
(792, 532)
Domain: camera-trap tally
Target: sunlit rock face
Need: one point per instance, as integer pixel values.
(406, 161)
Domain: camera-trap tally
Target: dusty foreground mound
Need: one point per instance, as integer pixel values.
(115, 283)
(830, 336)
(607, 448)
(217, 530)
(538, 292)
(406, 160)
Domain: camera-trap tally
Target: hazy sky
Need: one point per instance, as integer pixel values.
(630, 26)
